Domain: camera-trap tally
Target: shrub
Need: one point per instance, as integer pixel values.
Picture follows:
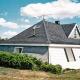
(15, 61)
(38, 62)
(27, 62)
(58, 69)
(48, 68)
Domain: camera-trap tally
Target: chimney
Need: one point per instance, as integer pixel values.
(57, 22)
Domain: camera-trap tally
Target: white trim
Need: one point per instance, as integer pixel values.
(64, 45)
(16, 48)
(70, 35)
(50, 45)
(27, 44)
(72, 30)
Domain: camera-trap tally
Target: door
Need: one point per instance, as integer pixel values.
(18, 49)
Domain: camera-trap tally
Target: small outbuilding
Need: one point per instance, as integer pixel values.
(52, 42)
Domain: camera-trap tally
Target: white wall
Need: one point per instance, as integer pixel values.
(76, 52)
(69, 53)
(57, 56)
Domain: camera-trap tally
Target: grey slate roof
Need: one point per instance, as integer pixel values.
(68, 28)
(27, 36)
(45, 33)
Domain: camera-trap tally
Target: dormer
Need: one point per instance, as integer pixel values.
(71, 30)
(75, 32)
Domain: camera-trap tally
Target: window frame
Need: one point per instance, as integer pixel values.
(15, 51)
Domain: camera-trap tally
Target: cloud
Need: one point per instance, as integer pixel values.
(8, 24)
(8, 34)
(57, 9)
(25, 26)
(2, 21)
(27, 21)
(22, 20)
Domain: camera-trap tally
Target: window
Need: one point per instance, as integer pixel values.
(18, 49)
(69, 54)
(75, 33)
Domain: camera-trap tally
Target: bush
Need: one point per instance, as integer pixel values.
(58, 69)
(38, 62)
(51, 68)
(15, 61)
(27, 62)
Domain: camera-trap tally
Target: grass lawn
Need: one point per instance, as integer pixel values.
(16, 74)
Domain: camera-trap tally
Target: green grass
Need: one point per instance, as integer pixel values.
(16, 74)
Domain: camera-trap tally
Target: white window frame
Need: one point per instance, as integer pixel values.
(71, 35)
(18, 48)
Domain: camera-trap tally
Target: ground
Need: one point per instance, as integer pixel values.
(16, 74)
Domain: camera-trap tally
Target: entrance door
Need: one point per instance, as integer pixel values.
(18, 49)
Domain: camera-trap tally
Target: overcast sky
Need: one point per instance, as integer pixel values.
(18, 15)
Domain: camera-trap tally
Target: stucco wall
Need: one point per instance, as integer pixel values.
(77, 53)
(40, 52)
(57, 56)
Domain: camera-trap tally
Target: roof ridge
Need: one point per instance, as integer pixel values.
(68, 24)
(46, 31)
(67, 28)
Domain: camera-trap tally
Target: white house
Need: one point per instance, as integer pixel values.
(52, 42)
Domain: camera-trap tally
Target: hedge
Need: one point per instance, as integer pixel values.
(22, 61)
(57, 69)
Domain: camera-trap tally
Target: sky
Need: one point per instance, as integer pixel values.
(18, 15)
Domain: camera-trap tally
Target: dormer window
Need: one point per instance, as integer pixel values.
(75, 33)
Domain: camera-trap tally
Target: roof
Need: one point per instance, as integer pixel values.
(44, 32)
(68, 28)
(27, 36)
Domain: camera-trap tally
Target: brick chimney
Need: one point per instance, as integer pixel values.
(57, 22)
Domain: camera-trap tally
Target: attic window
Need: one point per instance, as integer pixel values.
(34, 29)
(75, 33)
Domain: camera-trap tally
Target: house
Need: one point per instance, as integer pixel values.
(52, 42)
